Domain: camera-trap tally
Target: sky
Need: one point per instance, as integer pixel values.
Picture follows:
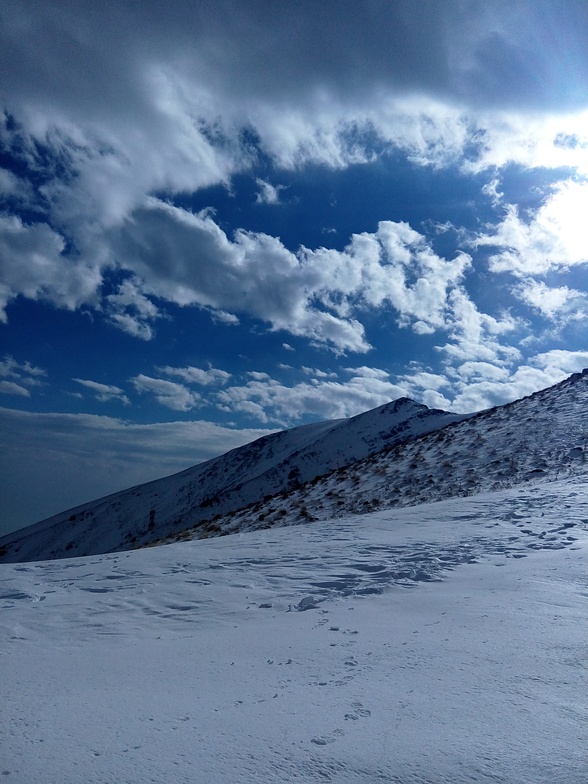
(220, 219)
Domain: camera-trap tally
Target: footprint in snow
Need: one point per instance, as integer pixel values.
(323, 740)
(358, 712)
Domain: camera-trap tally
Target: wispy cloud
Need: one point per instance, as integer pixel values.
(268, 193)
(18, 378)
(168, 393)
(195, 375)
(104, 392)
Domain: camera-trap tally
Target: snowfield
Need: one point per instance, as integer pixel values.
(438, 644)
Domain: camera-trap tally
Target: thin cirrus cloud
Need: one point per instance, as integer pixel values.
(104, 392)
(18, 378)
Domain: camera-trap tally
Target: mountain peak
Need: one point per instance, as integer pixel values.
(402, 453)
(272, 464)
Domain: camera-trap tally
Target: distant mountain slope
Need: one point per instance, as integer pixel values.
(543, 436)
(243, 476)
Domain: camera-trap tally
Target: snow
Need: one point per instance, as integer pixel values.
(246, 475)
(438, 644)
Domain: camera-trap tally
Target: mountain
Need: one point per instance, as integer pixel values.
(540, 437)
(440, 643)
(242, 477)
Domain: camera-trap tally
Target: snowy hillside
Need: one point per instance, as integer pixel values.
(243, 476)
(438, 644)
(543, 436)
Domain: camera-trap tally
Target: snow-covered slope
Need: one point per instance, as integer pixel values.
(543, 436)
(241, 477)
(438, 644)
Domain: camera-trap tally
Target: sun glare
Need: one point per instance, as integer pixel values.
(565, 215)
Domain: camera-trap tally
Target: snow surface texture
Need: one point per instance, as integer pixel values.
(240, 478)
(438, 644)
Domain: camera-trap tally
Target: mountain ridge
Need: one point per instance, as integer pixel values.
(483, 452)
(246, 475)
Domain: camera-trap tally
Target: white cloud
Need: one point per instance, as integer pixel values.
(104, 392)
(171, 105)
(17, 378)
(31, 264)
(424, 387)
(482, 370)
(73, 458)
(554, 238)
(268, 400)
(318, 294)
(317, 372)
(466, 387)
(476, 336)
(530, 140)
(475, 386)
(553, 302)
(167, 393)
(12, 388)
(130, 310)
(10, 368)
(268, 193)
(159, 105)
(194, 375)
(558, 363)
(14, 187)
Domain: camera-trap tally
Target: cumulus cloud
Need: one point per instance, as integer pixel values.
(474, 386)
(476, 336)
(318, 294)
(168, 393)
(130, 310)
(175, 95)
(554, 302)
(160, 104)
(32, 264)
(268, 400)
(466, 387)
(104, 392)
(555, 237)
(194, 375)
(109, 128)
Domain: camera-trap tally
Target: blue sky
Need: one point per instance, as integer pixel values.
(222, 219)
